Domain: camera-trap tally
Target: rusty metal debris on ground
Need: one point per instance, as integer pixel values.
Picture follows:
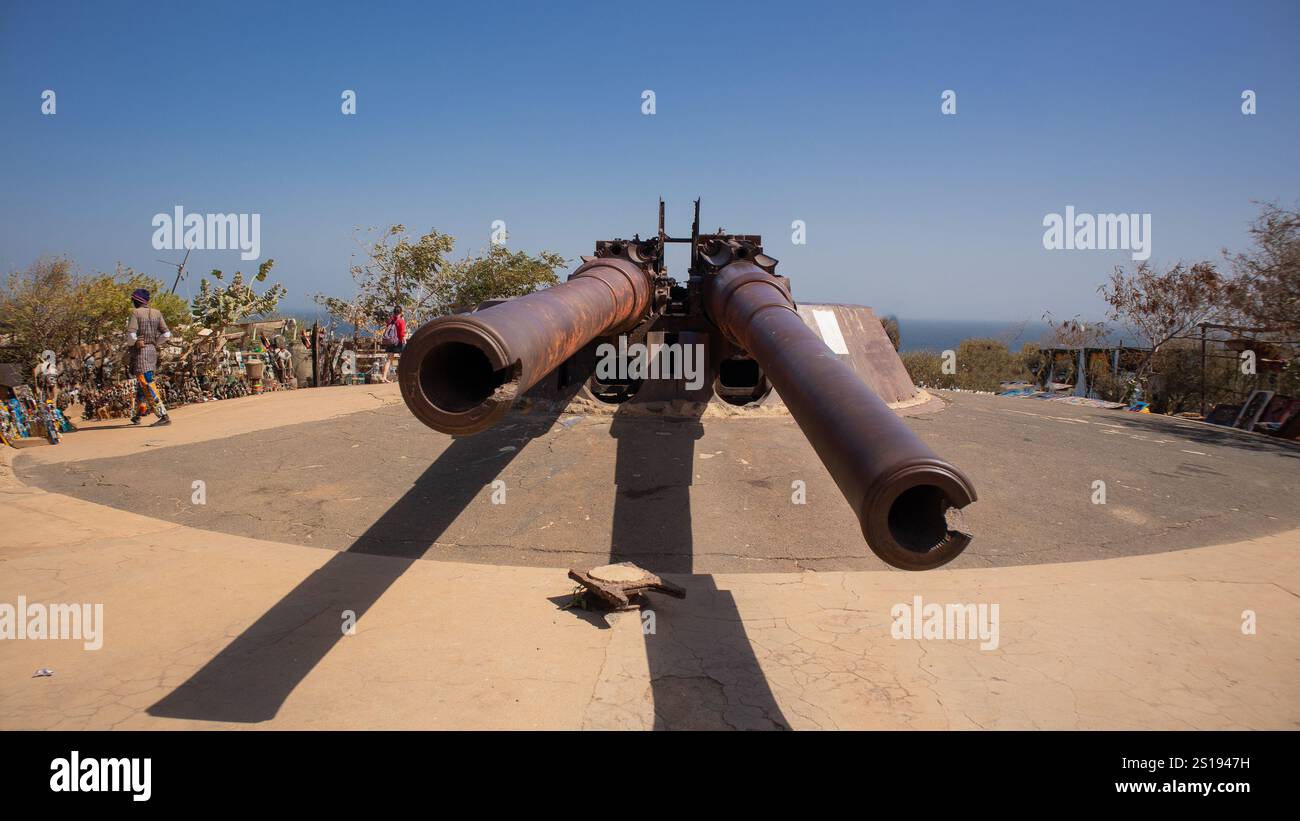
(617, 584)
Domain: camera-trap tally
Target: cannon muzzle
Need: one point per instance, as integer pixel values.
(900, 490)
(459, 374)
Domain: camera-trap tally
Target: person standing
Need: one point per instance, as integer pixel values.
(394, 339)
(144, 331)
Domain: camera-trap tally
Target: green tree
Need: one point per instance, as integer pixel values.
(502, 274)
(105, 302)
(926, 370)
(419, 275)
(39, 308)
(397, 271)
(984, 364)
(221, 305)
(981, 365)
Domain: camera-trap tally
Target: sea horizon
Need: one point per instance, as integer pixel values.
(918, 334)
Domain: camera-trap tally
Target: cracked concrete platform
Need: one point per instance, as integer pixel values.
(211, 629)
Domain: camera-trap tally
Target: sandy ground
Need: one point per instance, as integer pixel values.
(203, 628)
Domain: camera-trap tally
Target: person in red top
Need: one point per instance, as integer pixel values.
(394, 339)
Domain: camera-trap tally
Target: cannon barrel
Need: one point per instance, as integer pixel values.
(459, 374)
(899, 488)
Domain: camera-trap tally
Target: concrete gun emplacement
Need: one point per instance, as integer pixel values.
(461, 373)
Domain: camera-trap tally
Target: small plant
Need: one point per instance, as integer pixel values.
(579, 599)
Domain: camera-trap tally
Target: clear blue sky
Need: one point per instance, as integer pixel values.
(531, 113)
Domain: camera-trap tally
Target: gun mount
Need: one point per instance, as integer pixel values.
(461, 373)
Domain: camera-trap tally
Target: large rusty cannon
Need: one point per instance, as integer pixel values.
(461, 373)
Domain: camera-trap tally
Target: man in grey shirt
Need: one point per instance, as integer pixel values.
(144, 331)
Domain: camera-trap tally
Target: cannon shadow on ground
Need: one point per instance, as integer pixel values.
(1205, 434)
(249, 680)
(703, 672)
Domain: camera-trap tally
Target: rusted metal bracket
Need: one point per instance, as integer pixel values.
(617, 584)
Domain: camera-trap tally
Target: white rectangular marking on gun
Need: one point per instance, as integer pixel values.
(830, 329)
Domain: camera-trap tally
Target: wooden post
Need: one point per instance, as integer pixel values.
(1202, 369)
(315, 355)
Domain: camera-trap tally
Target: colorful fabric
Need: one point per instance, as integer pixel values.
(146, 396)
(148, 326)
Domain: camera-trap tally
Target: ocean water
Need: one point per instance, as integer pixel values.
(945, 334)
